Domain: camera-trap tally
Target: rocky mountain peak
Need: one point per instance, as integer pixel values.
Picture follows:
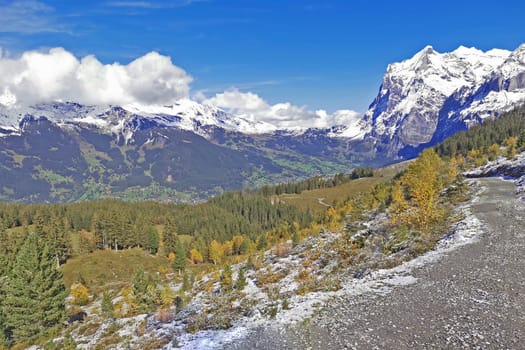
(436, 93)
(423, 59)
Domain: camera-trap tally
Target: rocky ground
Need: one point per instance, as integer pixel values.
(513, 168)
(472, 297)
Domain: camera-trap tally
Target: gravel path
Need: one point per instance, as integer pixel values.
(321, 201)
(473, 298)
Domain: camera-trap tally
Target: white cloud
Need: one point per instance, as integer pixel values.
(152, 4)
(58, 75)
(283, 115)
(27, 16)
(142, 4)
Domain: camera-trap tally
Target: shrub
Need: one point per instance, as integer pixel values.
(164, 316)
(80, 294)
(306, 282)
(167, 296)
(270, 277)
(303, 275)
(282, 249)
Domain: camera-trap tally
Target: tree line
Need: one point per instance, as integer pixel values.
(78, 228)
(315, 183)
(508, 129)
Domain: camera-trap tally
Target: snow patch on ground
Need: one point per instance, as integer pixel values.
(381, 281)
(506, 169)
(210, 339)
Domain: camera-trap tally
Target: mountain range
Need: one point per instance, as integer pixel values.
(65, 151)
(56, 152)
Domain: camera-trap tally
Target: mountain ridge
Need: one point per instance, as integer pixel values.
(136, 157)
(432, 95)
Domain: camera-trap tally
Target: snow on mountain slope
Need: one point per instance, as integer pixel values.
(430, 96)
(421, 101)
(352, 125)
(414, 90)
(191, 113)
(503, 89)
(184, 114)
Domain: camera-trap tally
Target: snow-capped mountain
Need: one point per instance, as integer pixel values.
(502, 89)
(123, 121)
(421, 101)
(185, 151)
(430, 96)
(63, 151)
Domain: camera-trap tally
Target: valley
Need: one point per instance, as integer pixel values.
(186, 151)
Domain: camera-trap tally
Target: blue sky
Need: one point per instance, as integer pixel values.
(323, 54)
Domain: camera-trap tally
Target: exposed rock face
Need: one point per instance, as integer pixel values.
(430, 96)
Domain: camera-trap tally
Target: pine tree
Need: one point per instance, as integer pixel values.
(226, 279)
(241, 280)
(5, 253)
(153, 240)
(144, 290)
(186, 282)
(35, 294)
(56, 238)
(243, 249)
(140, 283)
(170, 236)
(141, 232)
(3, 335)
(295, 238)
(99, 229)
(521, 140)
(4, 240)
(107, 306)
(262, 243)
(180, 257)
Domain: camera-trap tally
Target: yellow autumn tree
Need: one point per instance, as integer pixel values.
(399, 205)
(167, 295)
(455, 166)
(127, 305)
(424, 184)
(215, 252)
(511, 143)
(237, 242)
(227, 248)
(196, 256)
(80, 294)
(476, 157)
(415, 197)
(493, 151)
(332, 218)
